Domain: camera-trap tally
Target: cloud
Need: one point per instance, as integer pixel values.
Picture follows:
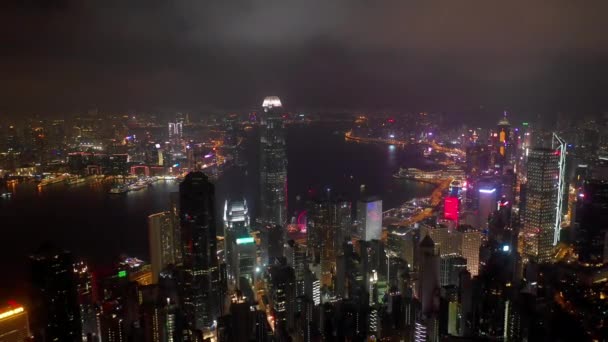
(358, 51)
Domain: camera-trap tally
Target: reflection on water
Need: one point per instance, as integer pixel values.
(97, 226)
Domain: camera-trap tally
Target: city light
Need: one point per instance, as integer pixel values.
(122, 274)
(487, 191)
(245, 240)
(11, 312)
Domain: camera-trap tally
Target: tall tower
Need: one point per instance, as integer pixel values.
(163, 239)
(428, 284)
(503, 148)
(543, 212)
(273, 163)
(200, 288)
(55, 297)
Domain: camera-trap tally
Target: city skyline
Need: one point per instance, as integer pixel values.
(269, 171)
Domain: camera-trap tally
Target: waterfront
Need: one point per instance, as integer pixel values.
(99, 227)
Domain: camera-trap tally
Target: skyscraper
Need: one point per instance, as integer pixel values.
(591, 218)
(273, 164)
(471, 241)
(540, 221)
(369, 215)
(236, 228)
(163, 240)
(487, 204)
(55, 298)
(503, 142)
(200, 292)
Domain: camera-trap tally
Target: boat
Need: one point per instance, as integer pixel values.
(53, 180)
(119, 189)
(138, 185)
(6, 195)
(75, 180)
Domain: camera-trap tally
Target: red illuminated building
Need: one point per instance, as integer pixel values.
(451, 206)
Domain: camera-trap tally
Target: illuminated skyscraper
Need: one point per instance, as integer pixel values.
(55, 297)
(369, 215)
(86, 299)
(163, 240)
(273, 164)
(14, 324)
(200, 288)
(503, 143)
(541, 218)
(487, 204)
(236, 228)
(471, 241)
(451, 205)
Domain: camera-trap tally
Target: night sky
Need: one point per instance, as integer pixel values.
(69, 55)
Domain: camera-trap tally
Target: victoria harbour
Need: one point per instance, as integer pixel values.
(103, 226)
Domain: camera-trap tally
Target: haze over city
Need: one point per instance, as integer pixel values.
(66, 55)
(279, 171)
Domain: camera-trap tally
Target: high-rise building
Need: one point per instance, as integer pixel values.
(328, 226)
(200, 283)
(282, 296)
(273, 164)
(487, 204)
(55, 297)
(369, 215)
(428, 283)
(163, 239)
(450, 206)
(541, 232)
(14, 324)
(236, 226)
(503, 142)
(591, 218)
(86, 299)
(450, 267)
(471, 242)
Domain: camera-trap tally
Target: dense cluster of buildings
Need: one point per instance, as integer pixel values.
(517, 249)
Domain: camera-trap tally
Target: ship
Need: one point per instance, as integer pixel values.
(75, 180)
(119, 189)
(53, 180)
(138, 185)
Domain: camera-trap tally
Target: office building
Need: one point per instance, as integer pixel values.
(592, 222)
(273, 164)
(369, 215)
(487, 204)
(14, 324)
(428, 282)
(541, 219)
(87, 299)
(282, 296)
(236, 228)
(503, 142)
(447, 241)
(243, 260)
(451, 208)
(471, 242)
(163, 239)
(55, 297)
(200, 288)
(450, 267)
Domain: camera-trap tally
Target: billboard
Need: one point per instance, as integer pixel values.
(450, 208)
(373, 220)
